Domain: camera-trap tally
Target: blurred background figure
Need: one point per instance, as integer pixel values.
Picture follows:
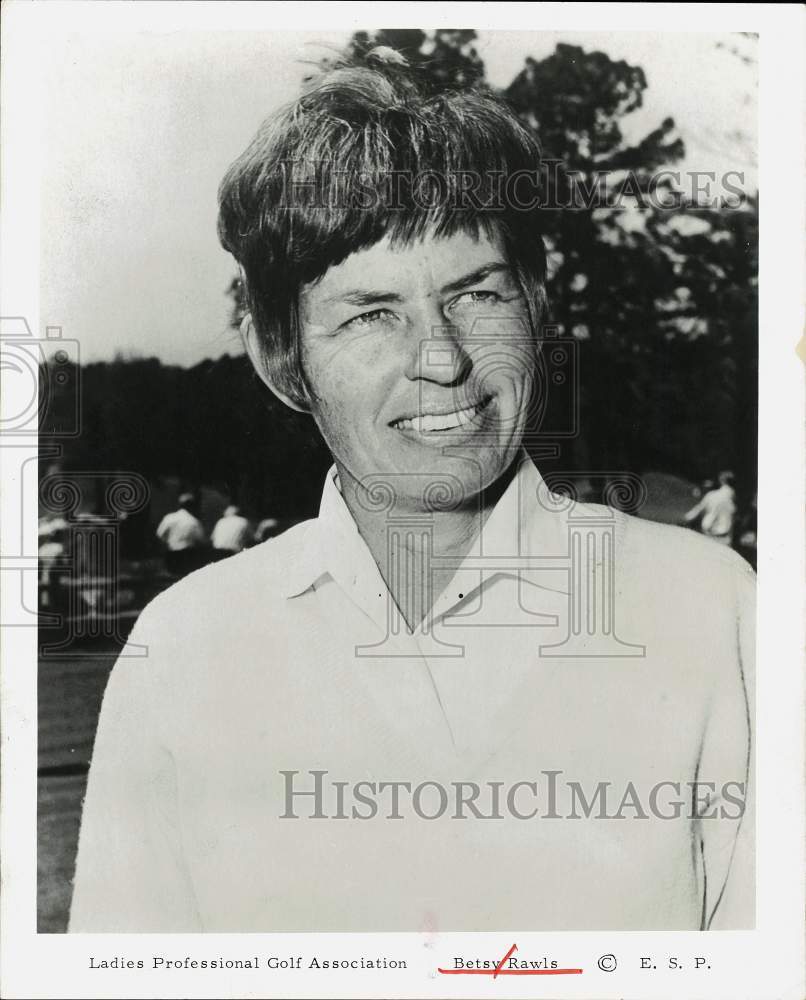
(716, 511)
(705, 487)
(52, 534)
(747, 543)
(268, 528)
(182, 534)
(232, 533)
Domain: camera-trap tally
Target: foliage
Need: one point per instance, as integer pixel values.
(213, 424)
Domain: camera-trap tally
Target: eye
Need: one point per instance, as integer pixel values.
(476, 297)
(368, 318)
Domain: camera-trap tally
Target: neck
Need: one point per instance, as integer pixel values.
(403, 537)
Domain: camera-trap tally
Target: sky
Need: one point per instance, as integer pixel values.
(140, 128)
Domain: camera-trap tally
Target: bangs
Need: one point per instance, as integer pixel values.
(351, 174)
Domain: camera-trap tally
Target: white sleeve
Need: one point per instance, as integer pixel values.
(694, 512)
(130, 872)
(728, 840)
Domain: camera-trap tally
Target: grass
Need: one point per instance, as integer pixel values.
(70, 693)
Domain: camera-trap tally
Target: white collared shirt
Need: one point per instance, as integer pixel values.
(180, 530)
(232, 533)
(573, 641)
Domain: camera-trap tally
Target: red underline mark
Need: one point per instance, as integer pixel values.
(510, 972)
(499, 970)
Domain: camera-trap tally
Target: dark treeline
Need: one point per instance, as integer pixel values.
(210, 425)
(660, 305)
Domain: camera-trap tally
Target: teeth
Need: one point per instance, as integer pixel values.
(440, 422)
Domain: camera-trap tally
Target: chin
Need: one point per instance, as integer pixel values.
(477, 471)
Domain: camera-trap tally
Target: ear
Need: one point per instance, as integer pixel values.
(257, 356)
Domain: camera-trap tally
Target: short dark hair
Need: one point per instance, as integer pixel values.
(344, 166)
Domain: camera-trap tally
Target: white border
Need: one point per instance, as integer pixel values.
(765, 963)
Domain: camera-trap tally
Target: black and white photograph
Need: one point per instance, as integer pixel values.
(395, 482)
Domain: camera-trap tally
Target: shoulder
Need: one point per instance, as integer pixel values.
(216, 633)
(675, 568)
(688, 599)
(227, 594)
(699, 587)
(678, 549)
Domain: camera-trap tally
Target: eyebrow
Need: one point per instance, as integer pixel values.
(358, 297)
(494, 267)
(365, 297)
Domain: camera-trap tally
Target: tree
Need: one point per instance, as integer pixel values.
(448, 58)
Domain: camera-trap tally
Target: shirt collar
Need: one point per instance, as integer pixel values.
(311, 561)
(522, 523)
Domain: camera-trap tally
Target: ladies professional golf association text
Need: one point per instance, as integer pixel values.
(163, 963)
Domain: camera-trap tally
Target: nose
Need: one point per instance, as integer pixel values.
(438, 353)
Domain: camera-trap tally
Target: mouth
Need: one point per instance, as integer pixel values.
(439, 423)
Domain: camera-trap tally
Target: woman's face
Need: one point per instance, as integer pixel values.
(420, 358)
